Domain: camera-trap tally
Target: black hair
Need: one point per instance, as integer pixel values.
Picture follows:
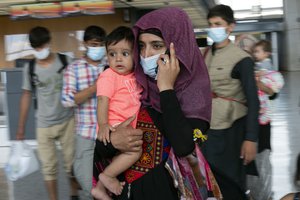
(94, 32)
(118, 34)
(223, 11)
(153, 31)
(39, 36)
(265, 44)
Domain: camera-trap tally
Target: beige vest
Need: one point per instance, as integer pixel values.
(228, 104)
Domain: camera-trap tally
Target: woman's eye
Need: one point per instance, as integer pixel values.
(158, 46)
(141, 46)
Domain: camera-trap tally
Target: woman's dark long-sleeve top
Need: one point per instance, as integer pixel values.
(157, 184)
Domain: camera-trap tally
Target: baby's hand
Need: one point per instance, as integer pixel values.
(104, 131)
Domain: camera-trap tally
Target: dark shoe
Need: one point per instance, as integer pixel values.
(74, 198)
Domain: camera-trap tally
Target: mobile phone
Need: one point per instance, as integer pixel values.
(166, 52)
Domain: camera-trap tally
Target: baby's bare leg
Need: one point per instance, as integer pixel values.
(119, 164)
(99, 192)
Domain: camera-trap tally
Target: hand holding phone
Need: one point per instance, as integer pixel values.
(167, 52)
(168, 73)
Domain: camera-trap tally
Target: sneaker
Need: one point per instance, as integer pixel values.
(74, 198)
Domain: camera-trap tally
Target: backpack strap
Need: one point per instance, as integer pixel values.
(63, 60)
(33, 76)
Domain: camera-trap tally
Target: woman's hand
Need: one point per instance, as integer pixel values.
(168, 70)
(125, 138)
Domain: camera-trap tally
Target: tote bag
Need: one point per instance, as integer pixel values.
(185, 181)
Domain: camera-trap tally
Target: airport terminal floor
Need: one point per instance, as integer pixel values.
(285, 148)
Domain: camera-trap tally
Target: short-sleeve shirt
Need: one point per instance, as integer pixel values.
(48, 90)
(124, 95)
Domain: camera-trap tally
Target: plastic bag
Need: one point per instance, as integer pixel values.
(261, 186)
(22, 161)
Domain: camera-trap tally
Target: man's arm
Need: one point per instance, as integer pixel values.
(70, 95)
(25, 103)
(83, 95)
(244, 71)
(264, 88)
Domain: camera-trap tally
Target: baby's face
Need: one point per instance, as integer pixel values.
(120, 57)
(259, 54)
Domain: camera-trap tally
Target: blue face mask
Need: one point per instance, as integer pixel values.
(217, 34)
(96, 53)
(149, 65)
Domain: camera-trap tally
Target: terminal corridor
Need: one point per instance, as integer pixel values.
(285, 148)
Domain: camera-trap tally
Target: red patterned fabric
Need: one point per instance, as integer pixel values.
(153, 148)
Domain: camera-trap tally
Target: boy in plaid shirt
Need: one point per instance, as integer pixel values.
(79, 91)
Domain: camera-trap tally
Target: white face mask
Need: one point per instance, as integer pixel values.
(217, 34)
(96, 53)
(149, 65)
(44, 53)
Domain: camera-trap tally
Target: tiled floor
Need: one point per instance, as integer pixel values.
(3, 186)
(285, 145)
(32, 187)
(286, 135)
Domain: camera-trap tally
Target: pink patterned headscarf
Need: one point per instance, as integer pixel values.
(192, 86)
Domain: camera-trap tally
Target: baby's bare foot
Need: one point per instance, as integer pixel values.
(99, 192)
(111, 183)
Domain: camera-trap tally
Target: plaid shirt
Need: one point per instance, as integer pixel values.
(78, 76)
